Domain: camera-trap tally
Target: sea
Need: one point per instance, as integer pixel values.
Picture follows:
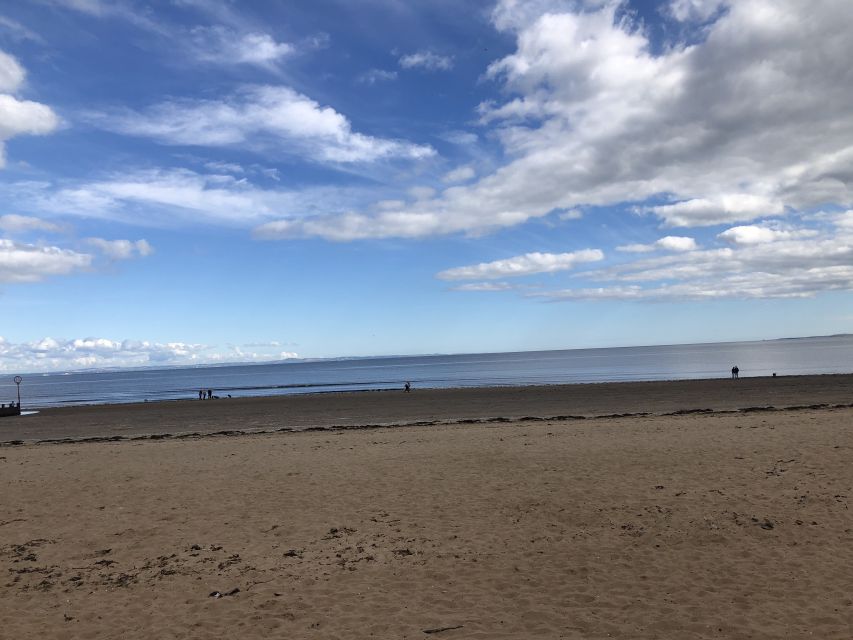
(795, 356)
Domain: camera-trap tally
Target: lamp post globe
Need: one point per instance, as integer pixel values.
(18, 380)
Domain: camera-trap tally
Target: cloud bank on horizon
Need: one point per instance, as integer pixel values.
(580, 150)
(49, 354)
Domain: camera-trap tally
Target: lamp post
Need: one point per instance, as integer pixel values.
(18, 380)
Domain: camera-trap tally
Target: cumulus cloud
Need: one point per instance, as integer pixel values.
(756, 234)
(11, 73)
(525, 265)
(221, 45)
(768, 260)
(12, 223)
(19, 117)
(51, 354)
(763, 262)
(426, 60)
(21, 262)
(717, 210)
(122, 249)
(727, 115)
(757, 110)
(26, 262)
(667, 243)
(264, 118)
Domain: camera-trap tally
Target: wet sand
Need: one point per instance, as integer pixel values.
(426, 406)
(734, 524)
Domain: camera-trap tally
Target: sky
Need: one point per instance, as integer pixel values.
(203, 181)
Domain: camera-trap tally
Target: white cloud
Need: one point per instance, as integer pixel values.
(485, 286)
(514, 15)
(267, 118)
(11, 73)
(785, 263)
(571, 214)
(461, 138)
(372, 76)
(460, 174)
(668, 243)
(427, 60)
(676, 243)
(525, 265)
(350, 226)
(701, 10)
(422, 193)
(757, 111)
(122, 249)
(12, 223)
(758, 285)
(224, 167)
(843, 220)
(92, 7)
(755, 234)
(210, 197)
(170, 198)
(126, 10)
(717, 210)
(224, 46)
(757, 261)
(734, 114)
(19, 117)
(50, 354)
(20, 262)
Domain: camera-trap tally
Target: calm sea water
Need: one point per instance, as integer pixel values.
(786, 357)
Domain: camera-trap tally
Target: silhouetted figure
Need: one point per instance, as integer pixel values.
(209, 394)
(407, 387)
(200, 394)
(735, 372)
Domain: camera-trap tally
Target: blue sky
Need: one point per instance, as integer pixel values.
(193, 181)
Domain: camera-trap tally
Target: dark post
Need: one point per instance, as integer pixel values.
(18, 380)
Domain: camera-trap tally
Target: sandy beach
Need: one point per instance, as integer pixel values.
(508, 516)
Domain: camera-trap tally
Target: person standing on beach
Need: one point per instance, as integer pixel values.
(209, 394)
(407, 386)
(200, 394)
(735, 372)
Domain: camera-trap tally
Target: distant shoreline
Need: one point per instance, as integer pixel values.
(226, 397)
(217, 365)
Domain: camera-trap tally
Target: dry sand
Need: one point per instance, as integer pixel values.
(717, 525)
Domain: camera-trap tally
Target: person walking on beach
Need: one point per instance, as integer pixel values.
(407, 386)
(200, 394)
(735, 372)
(209, 394)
